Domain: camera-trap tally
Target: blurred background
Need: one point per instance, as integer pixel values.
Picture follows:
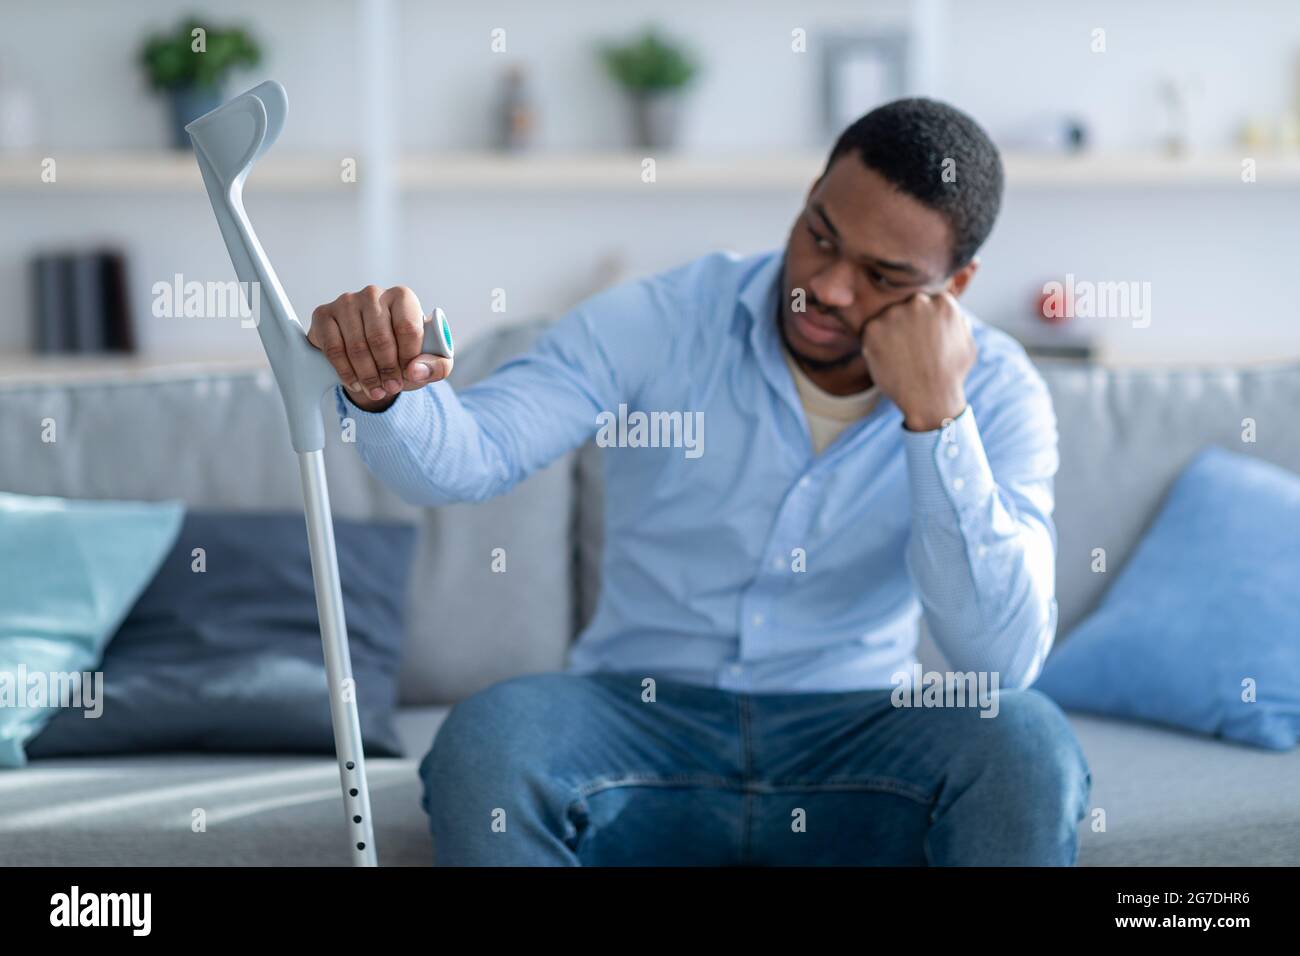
(490, 155)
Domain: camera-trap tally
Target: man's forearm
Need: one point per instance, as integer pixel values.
(983, 564)
(437, 444)
(424, 446)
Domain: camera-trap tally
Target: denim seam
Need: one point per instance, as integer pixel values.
(877, 784)
(747, 773)
(654, 780)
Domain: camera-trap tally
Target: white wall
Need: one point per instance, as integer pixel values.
(80, 55)
(1219, 259)
(1010, 58)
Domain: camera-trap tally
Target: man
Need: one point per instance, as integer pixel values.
(867, 454)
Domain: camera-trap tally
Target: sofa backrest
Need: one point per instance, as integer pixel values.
(218, 440)
(1127, 433)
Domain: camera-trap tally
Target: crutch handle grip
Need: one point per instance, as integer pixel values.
(437, 335)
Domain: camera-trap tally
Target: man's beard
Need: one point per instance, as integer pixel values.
(808, 361)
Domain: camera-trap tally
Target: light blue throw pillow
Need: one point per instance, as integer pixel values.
(1201, 630)
(69, 572)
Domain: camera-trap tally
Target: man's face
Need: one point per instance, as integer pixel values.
(858, 246)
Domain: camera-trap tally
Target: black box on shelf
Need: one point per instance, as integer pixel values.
(80, 302)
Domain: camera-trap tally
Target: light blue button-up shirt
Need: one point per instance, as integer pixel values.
(734, 556)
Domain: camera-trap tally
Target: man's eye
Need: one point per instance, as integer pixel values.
(880, 280)
(822, 243)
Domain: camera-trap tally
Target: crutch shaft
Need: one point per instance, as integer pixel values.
(338, 662)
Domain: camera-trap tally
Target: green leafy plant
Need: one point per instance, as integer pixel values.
(649, 63)
(172, 62)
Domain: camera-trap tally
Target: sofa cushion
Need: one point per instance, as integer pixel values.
(1201, 630)
(116, 811)
(69, 572)
(1172, 798)
(256, 811)
(228, 658)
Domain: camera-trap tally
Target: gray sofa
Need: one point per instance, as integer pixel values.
(218, 439)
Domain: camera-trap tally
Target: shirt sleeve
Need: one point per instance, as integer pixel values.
(982, 551)
(438, 445)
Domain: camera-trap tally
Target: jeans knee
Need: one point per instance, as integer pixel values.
(1031, 744)
(485, 739)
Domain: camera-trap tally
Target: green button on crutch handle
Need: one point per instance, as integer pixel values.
(437, 335)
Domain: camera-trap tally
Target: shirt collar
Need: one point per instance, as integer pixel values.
(759, 292)
(759, 295)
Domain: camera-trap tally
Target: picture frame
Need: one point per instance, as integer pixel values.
(860, 72)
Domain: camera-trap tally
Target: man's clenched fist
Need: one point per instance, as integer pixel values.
(919, 352)
(373, 339)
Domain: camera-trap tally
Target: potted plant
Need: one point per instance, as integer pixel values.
(190, 64)
(653, 71)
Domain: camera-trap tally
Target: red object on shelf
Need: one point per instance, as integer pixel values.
(1055, 307)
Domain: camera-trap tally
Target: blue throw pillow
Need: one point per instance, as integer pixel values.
(229, 658)
(69, 571)
(1202, 628)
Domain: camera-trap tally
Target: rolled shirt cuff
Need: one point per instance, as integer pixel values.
(406, 417)
(947, 467)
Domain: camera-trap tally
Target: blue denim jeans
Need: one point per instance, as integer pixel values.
(573, 770)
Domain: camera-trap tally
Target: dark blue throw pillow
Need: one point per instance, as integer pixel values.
(229, 658)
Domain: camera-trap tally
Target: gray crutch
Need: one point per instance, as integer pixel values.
(227, 142)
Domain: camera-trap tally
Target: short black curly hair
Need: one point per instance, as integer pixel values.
(908, 140)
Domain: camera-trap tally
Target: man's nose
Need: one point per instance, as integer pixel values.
(833, 286)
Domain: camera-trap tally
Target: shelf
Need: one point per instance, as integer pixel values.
(795, 171)
(162, 172)
(535, 172)
(1150, 170)
(605, 171)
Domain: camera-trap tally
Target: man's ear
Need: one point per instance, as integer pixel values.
(959, 280)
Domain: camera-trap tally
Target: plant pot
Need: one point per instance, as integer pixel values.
(656, 117)
(188, 103)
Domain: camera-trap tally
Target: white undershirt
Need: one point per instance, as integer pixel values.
(827, 414)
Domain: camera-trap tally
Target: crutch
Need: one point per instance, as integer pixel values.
(227, 142)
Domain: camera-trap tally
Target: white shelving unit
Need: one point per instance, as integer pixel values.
(376, 208)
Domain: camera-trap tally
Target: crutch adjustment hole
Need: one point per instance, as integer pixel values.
(350, 765)
(356, 819)
(361, 846)
(352, 792)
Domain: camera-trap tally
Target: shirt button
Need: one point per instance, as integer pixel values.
(958, 484)
(735, 670)
(982, 550)
(952, 451)
(805, 481)
(757, 620)
(778, 563)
